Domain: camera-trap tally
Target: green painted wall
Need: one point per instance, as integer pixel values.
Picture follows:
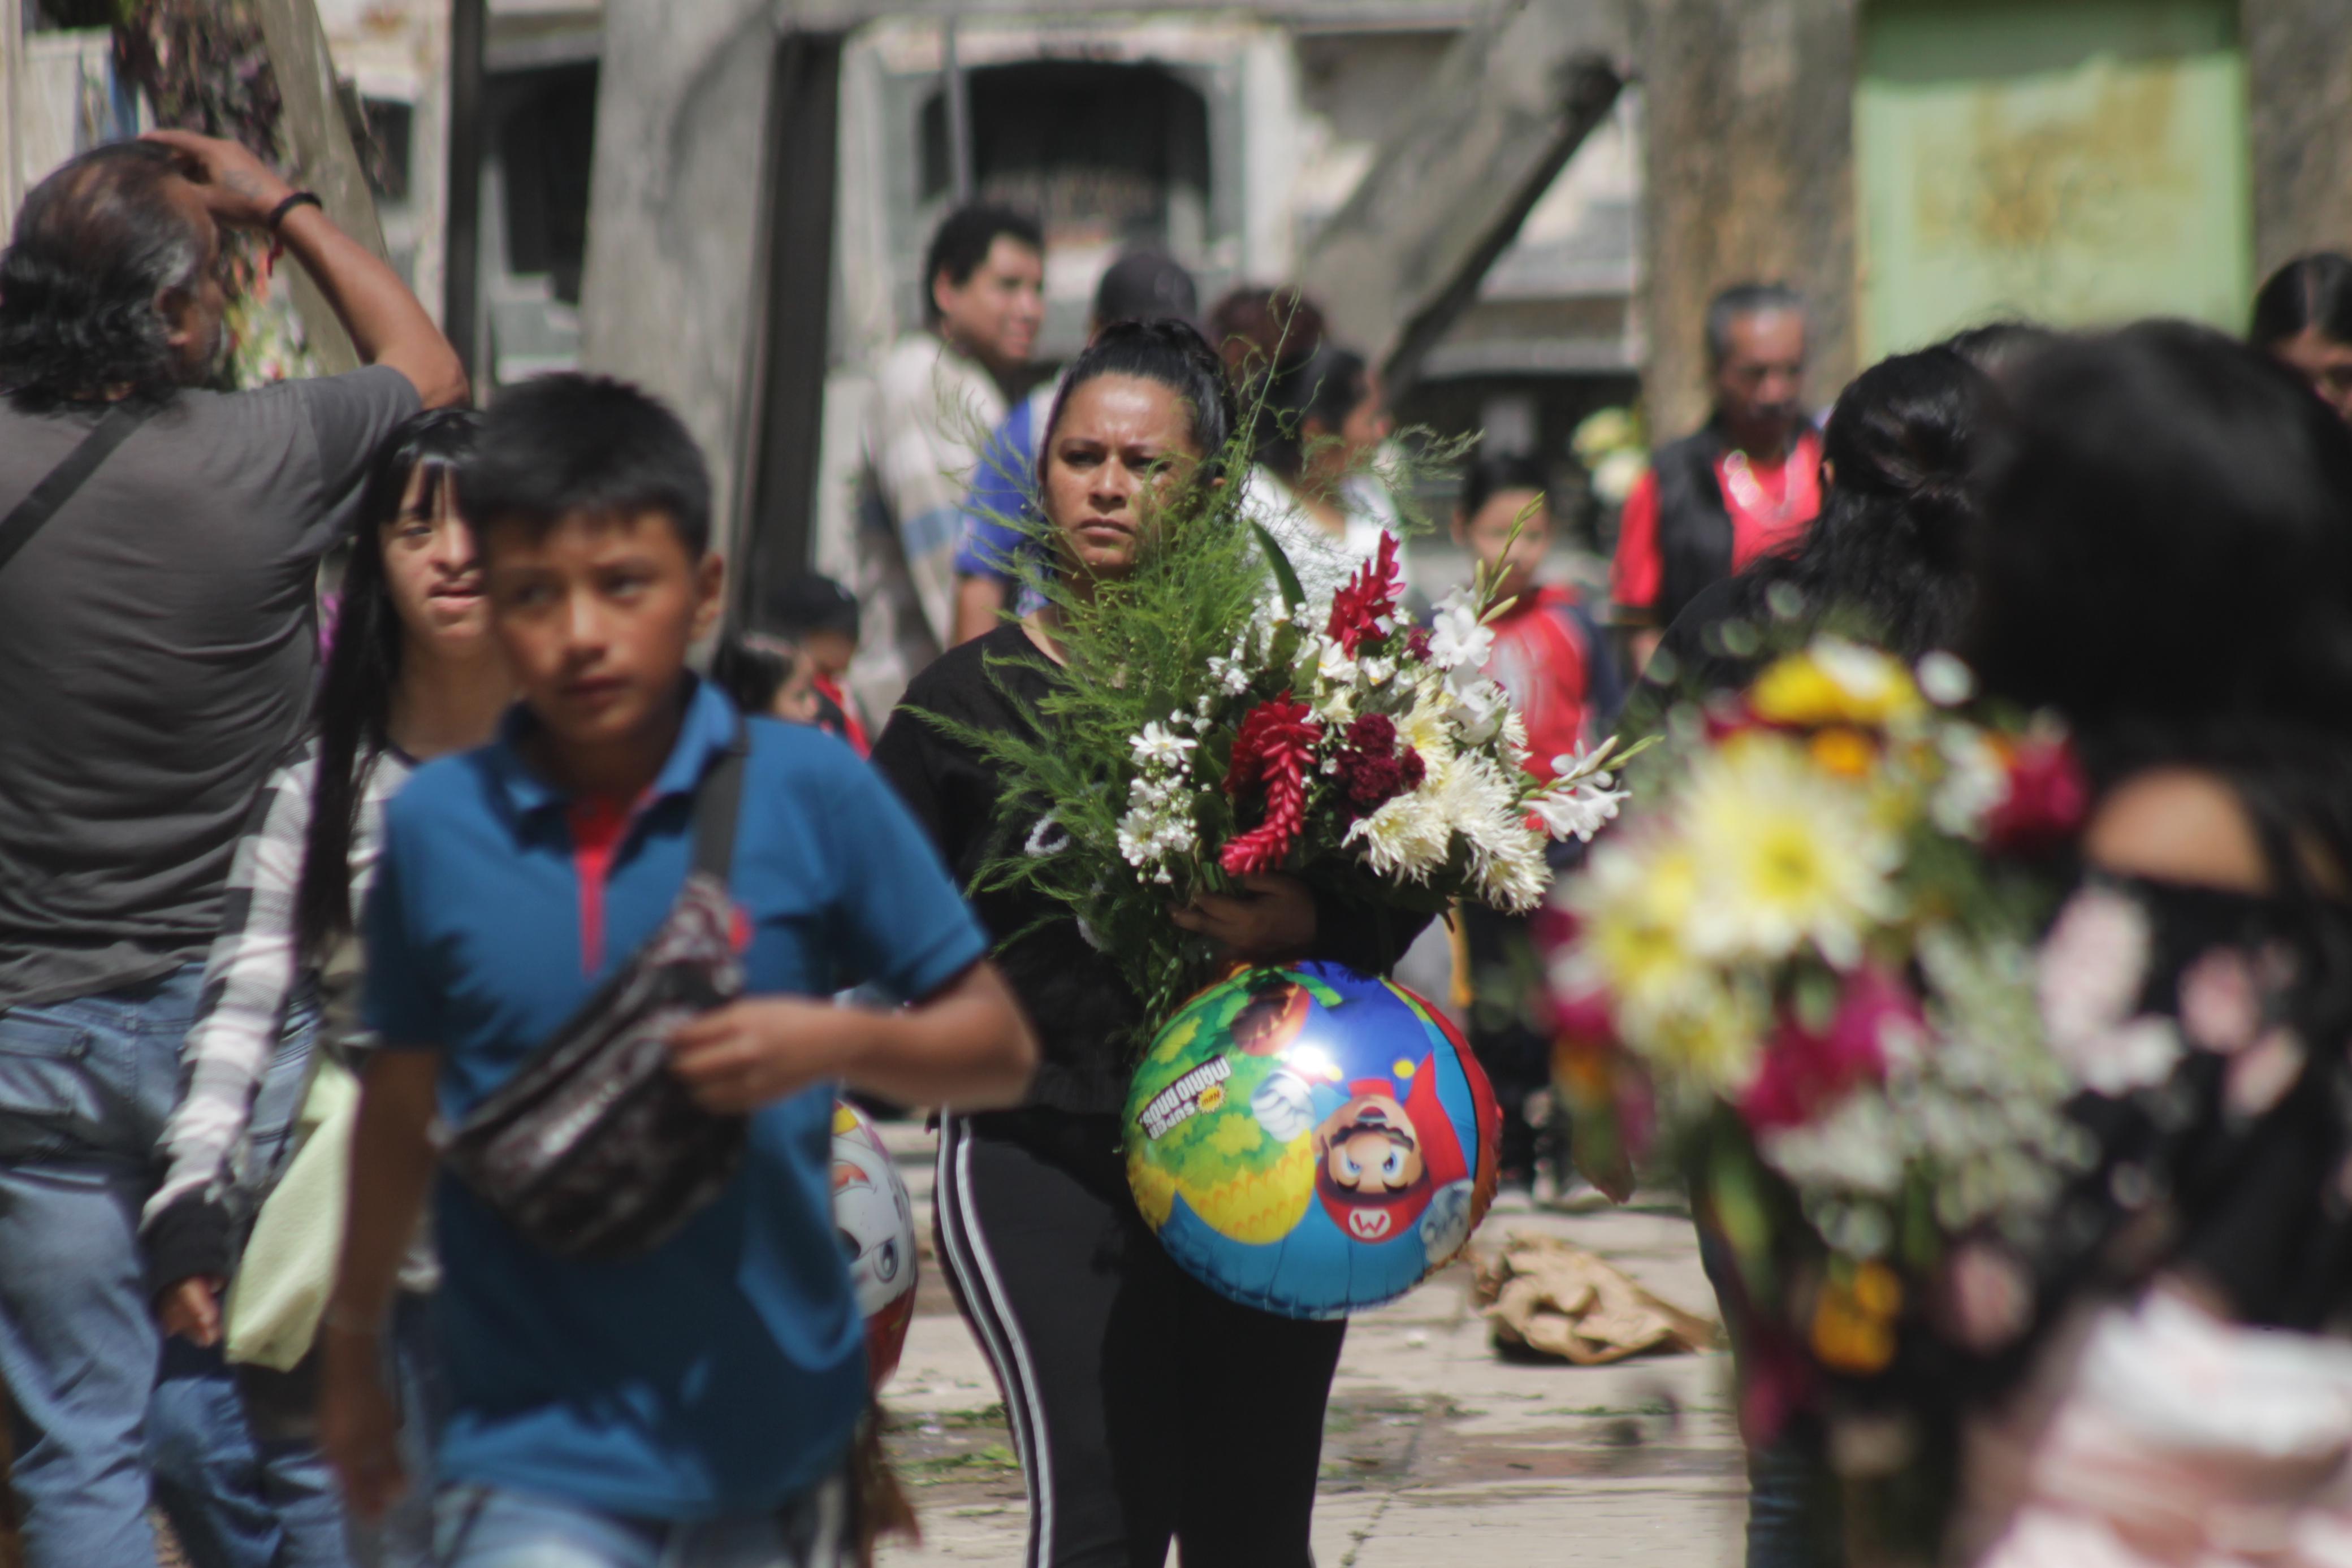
(2074, 161)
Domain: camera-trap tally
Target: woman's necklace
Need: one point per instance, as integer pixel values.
(1747, 491)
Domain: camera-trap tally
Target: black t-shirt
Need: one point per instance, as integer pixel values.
(1083, 1011)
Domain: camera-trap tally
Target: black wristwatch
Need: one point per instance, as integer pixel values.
(298, 199)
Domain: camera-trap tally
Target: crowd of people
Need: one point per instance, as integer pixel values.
(283, 916)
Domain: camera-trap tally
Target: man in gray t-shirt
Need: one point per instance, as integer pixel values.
(157, 639)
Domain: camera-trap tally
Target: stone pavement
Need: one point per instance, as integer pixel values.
(1437, 1450)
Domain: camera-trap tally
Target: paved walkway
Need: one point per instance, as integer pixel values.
(1437, 1450)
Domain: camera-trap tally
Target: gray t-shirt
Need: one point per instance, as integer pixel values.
(157, 639)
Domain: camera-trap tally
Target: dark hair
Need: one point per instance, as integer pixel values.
(2000, 348)
(1257, 330)
(751, 669)
(1744, 300)
(2314, 291)
(1324, 388)
(559, 444)
(95, 243)
(2172, 538)
(962, 241)
(1172, 354)
(808, 604)
(1145, 286)
(1904, 448)
(1493, 474)
(362, 675)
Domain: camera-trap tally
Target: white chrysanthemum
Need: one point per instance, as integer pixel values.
(1406, 838)
(1425, 726)
(1477, 801)
(1790, 855)
(1457, 639)
(1515, 878)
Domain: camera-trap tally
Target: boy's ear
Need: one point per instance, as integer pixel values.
(709, 592)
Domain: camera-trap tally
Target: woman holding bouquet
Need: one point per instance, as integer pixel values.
(2191, 1395)
(1146, 1407)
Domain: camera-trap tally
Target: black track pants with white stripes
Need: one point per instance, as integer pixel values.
(1145, 1407)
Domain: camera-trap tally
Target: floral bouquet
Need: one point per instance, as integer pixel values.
(1807, 962)
(1215, 721)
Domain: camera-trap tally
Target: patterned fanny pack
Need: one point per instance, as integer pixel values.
(595, 1149)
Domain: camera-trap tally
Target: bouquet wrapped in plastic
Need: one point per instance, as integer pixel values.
(1805, 965)
(1215, 720)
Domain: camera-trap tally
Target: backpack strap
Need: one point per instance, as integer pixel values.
(55, 488)
(718, 803)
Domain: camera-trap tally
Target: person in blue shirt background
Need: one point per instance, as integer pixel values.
(1141, 286)
(692, 1407)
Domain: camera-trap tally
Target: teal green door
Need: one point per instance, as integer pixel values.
(2078, 161)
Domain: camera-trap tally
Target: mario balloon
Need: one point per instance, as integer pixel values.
(875, 1218)
(1311, 1141)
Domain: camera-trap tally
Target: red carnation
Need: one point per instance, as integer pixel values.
(1804, 1072)
(1366, 607)
(1274, 743)
(1416, 643)
(1372, 772)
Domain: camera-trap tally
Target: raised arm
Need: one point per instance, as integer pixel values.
(387, 324)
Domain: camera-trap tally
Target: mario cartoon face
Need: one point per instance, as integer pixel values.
(1386, 1152)
(1369, 1147)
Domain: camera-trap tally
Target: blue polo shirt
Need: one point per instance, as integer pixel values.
(720, 1374)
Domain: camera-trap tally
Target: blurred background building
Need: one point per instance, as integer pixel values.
(729, 199)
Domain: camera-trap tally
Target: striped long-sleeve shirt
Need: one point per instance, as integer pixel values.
(251, 976)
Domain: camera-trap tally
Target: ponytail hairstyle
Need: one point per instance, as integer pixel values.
(1175, 355)
(2311, 291)
(1903, 451)
(355, 705)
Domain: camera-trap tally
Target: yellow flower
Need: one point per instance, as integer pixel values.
(1854, 1320)
(1787, 855)
(1636, 902)
(1835, 681)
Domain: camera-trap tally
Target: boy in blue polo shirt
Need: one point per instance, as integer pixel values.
(691, 1408)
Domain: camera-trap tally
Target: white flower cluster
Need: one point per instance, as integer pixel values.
(1476, 821)
(1159, 826)
(1976, 1119)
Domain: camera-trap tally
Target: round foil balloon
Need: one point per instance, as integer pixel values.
(876, 1220)
(1311, 1141)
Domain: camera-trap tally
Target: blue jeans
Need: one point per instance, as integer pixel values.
(84, 1086)
(489, 1527)
(1792, 1519)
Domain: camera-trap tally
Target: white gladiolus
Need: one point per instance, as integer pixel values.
(1478, 709)
(1457, 639)
(1577, 811)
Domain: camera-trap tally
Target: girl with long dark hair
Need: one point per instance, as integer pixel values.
(413, 674)
(1145, 1406)
(2167, 562)
(1887, 560)
(2303, 319)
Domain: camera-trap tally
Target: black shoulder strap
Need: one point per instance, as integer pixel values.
(718, 803)
(17, 530)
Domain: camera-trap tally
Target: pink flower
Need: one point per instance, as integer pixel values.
(2258, 1079)
(2091, 968)
(1804, 1072)
(1987, 1299)
(2220, 1005)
